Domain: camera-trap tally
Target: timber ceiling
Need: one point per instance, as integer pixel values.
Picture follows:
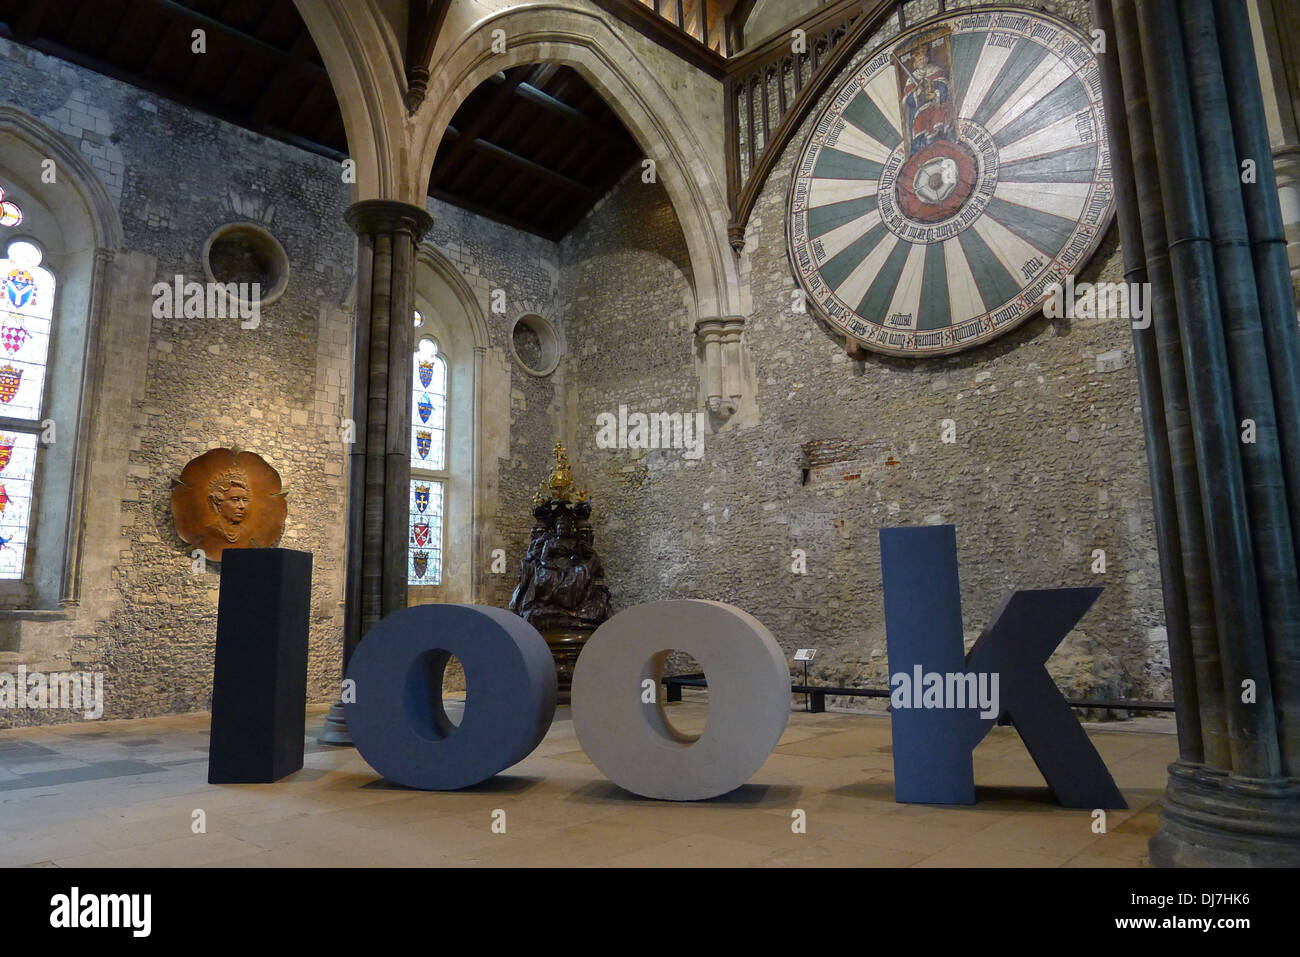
(534, 147)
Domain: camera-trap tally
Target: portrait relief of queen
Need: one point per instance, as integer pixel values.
(228, 498)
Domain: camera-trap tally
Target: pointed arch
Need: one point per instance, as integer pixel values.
(77, 196)
(364, 61)
(588, 42)
(454, 319)
(429, 257)
(76, 222)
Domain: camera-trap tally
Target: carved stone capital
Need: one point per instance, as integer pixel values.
(719, 326)
(387, 216)
(417, 87)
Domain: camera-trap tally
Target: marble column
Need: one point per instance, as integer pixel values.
(379, 469)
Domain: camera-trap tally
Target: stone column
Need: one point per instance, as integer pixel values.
(79, 492)
(708, 333)
(1184, 106)
(732, 379)
(723, 382)
(379, 469)
(1276, 34)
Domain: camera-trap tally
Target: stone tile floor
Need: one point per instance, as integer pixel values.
(125, 793)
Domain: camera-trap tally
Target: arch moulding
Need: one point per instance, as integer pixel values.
(482, 503)
(93, 233)
(587, 42)
(364, 61)
(72, 168)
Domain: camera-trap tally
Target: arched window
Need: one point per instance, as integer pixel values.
(10, 214)
(56, 373)
(428, 463)
(26, 309)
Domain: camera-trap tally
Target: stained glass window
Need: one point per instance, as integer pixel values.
(429, 408)
(17, 471)
(26, 305)
(10, 214)
(26, 310)
(428, 463)
(425, 563)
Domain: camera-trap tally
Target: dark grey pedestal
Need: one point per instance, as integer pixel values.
(259, 685)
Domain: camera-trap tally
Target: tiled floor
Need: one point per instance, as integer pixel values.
(128, 793)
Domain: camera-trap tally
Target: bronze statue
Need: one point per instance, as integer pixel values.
(525, 591)
(226, 498)
(561, 579)
(561, 590)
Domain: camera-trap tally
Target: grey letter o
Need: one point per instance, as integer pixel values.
(633, 744)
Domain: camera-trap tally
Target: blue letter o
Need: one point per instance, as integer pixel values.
(398, 722)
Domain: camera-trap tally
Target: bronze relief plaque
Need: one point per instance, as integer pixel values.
(226, 498)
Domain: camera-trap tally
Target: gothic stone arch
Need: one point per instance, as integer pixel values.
(586, 41)
(474, 413)
(86, 221)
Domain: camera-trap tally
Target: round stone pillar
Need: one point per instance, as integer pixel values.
(379, 470)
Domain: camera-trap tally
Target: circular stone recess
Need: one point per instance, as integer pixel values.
(246, 253)
(535, 345)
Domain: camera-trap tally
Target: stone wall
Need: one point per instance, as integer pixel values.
(1048, 463)
(173, 388)
(277, 390)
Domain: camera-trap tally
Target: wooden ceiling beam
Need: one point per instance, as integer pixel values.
(27, 25)
(156, 62)
(488, 212)
(307, 104)
(110, 51)
(303, 143)
(333, 127)
(166, 91)
(519, 162)
(203, 67)
(278, 88)
(574, 154)
(179, 12)
(559, 108)
(614, 173)
(498, 104)
(271, 7)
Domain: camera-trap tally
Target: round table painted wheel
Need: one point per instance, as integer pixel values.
(954, 179)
